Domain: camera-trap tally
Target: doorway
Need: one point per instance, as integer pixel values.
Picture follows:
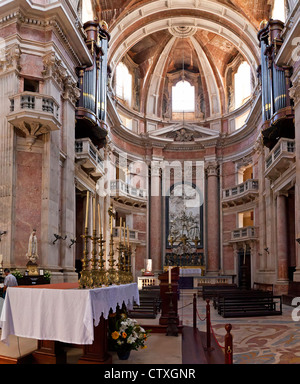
(244, 268)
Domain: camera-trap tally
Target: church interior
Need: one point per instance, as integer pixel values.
(148, 160)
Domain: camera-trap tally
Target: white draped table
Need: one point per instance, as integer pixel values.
(65, 315)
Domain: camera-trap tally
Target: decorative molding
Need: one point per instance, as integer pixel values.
(294, 91)
(54, 68)
(211, 168)
(42, 23)
(10, 58)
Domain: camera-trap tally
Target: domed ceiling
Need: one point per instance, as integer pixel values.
(161, 37)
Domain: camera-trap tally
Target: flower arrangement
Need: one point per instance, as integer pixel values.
(127, 335)
(47, 275)
(17, 274)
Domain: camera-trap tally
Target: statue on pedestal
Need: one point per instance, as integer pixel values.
(32, 255)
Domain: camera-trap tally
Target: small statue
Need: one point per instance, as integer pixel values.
(32, 254)
(32, 247)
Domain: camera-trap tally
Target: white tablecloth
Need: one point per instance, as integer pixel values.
(66, 315)
(190, 272)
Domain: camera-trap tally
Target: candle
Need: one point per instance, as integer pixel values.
(120, 228)
(100, 224)
(127, 237)
(94, 214)
(170, 275)
(87, 209)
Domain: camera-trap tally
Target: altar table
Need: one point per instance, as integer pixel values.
(61, 313)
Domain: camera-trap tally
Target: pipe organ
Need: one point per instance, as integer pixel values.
(91, 108)
(277, 111)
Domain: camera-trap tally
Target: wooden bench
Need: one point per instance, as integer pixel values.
(211, 290)
(217, 300)
(149, 303)
(246, 306)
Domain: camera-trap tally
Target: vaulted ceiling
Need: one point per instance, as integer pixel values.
(201, 36)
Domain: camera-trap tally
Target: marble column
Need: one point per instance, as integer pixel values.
(282, 240)
(295, 95)
(155, 217)
(68, 204)
(212, 215)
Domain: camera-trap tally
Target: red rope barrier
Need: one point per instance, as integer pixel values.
(215, 337)
(199, 315)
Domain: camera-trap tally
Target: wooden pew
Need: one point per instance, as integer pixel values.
(250, 305)
(217, 300)
(149, 303)
(210, 291)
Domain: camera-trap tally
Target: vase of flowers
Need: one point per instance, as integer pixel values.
(126, 336)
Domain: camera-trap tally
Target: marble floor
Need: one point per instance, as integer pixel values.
(256, 340)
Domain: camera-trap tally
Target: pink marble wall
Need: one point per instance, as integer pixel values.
(228, 175)
(28, 202)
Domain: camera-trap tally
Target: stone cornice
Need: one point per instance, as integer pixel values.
(55, 17)
(152, 139)
(295, 89)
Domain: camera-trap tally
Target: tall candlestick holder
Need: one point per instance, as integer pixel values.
(126, 263)
(102, 271)
(85, 276)
(95, 277)
(129, 269)
(112, 274)
(121, 264)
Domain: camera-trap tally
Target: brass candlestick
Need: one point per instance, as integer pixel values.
(102, 270)
(85, 276)
(112, 275)
(95, 277)
(130, 276)
(121, 264)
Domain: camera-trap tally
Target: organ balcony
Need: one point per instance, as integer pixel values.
(89, 157)
(34, 114)
(243, 234)
(280, 158)
(127, 194)
(240, 194)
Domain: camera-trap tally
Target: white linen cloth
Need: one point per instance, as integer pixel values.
(66, 315)
(190, 271)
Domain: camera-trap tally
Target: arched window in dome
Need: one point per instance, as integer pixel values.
(279, 10)
(124, 83)
(183, 97)
(242, 84)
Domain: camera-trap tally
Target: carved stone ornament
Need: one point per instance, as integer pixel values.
(32, 130)
(10, 58)
(295, 89)
(54, 68)
(212, 168)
